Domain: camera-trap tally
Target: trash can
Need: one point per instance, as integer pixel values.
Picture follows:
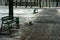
(35, 11)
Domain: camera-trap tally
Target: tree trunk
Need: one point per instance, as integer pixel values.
(11, 9)
(57, 2)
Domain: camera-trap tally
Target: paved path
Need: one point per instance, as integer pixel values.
(40, 30)
(44, 31)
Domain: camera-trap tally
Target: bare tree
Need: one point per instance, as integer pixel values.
(16, 4)
(11, 9)
(57, 2)
(40, 3)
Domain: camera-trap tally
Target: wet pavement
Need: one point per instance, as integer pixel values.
(45, 30)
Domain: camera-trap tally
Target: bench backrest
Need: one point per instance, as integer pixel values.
(5, 18)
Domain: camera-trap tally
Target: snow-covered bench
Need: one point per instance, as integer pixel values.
(8, 23)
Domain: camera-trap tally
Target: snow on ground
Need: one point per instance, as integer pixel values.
(23, 14)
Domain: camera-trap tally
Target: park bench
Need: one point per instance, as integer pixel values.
(8, 24)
